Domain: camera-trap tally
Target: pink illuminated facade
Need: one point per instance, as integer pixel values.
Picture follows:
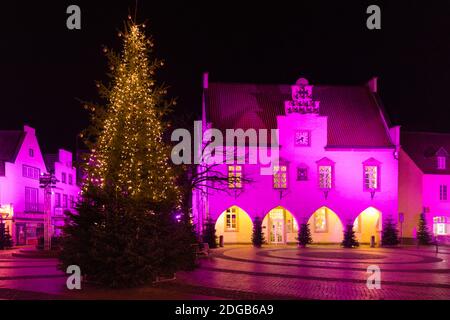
(21, 198)
(339, 163)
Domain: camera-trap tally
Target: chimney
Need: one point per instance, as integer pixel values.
(205, 80)
(29, 130)
(373, 84)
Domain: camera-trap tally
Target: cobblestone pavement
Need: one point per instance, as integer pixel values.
(243, 272)
(325, 272)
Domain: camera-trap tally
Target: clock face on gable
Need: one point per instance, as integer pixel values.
(302, 138)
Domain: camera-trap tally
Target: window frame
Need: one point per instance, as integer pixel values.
(232, 171)
(325, 230)
(325, 162)
(276, 184)
(230, 212)
(371, 163)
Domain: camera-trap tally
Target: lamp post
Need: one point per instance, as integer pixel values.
(47, 182)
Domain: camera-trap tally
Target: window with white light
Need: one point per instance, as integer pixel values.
(325, 177)
(231, 219)
(320, 220)
(280, 177)
(440, 226)
(235, 177)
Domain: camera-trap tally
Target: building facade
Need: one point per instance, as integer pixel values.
(339, 163)
(22, 205)
(425, 179)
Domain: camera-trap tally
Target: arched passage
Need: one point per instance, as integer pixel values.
(279, 226)
(368, 224)
(235, 225)
(325, 226)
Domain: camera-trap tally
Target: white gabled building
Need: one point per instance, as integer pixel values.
(21, 198)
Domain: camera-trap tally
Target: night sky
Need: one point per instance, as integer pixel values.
(46, 68)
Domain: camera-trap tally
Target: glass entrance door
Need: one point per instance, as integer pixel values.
(277, 231)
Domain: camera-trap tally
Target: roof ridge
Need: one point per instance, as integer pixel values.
(286, 84)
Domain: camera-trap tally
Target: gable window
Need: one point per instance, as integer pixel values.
(70, 179)
(441, 163)
(235, 177)
(231, 220)
(280, 177)
(57, 200)
(31, 172)
(31, 152)
(63, 177)
(302, 174)
(443, 192)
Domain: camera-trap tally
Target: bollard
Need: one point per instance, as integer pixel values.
(372, 241)
(221, 241)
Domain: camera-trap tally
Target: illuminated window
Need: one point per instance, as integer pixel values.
(231, 220)
(443, 192)
(320, 220)
(235, 177)
(441, 163)
(370, 177)
(280, 177)
(325, 177)
(440, 225)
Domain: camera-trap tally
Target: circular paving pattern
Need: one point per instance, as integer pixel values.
(337, 256)
(341, 255)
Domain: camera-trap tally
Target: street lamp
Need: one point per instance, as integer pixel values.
(47, 182)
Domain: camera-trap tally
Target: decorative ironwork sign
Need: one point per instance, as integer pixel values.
(302, 101)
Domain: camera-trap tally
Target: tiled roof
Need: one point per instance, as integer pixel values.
(10, 142)
(354, 115)
(422, 148)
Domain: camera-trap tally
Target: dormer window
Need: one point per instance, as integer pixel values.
(325, 169)
(371, 175)
(441, 163)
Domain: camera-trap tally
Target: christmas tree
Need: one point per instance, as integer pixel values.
(127, 230)
(257, 236)
(389, 234)
(423, 235)
(349, 240)
(5, 237)
(209, 234)
(304, 235)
